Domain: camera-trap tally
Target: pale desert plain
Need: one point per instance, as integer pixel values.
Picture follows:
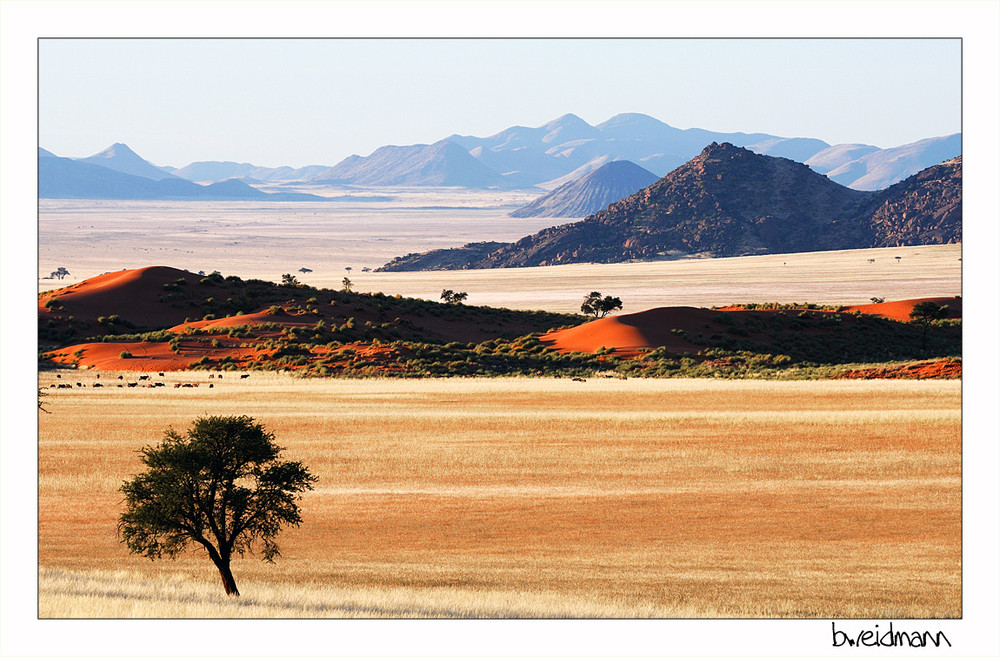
(516, 497)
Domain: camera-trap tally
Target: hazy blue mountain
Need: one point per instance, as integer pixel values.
(211, 170)
(569, 147)
(60, 177)
(120, 157)
(831, 158)
(882, 168)
(44, 153)
(443, 164)
(594, 191)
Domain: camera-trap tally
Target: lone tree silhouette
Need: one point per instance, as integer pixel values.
(452, 297)
(599, 306)
(222, 487)
(924, 314)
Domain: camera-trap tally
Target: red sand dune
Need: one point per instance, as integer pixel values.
(250, 319)
(627, 334)
(147, 357)
(650, 329)
(103, 295)
(900, 310)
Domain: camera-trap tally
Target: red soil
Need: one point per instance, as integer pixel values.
(936, 369)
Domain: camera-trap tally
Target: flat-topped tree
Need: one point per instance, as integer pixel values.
(924, 314)
(599, 306)
(222, 487)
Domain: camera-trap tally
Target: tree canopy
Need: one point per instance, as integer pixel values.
(924, 314)
(222, 486)
(599, 306)
(452, 297)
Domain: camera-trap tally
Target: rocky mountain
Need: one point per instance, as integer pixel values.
(594, 191)
(60, 177)
(121, 158)
(729, 201)
(444, 259)
(923, 209)
(443, 163)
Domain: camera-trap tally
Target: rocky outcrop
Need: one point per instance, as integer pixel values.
(729, 201)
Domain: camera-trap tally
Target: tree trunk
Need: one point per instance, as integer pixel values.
(227, 578)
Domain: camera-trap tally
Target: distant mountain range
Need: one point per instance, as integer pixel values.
(60, 177)
(558, 152)
(121, 158)
(594, 191)
(442, 164)
(730, 201)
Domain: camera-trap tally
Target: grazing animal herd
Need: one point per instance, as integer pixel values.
(143, 381)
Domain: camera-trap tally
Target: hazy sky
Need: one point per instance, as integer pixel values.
(297, 102)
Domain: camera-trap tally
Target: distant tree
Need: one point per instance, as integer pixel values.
(877, 300)
(289, 280)
(305, 270)
(599, 306)
(452, 297)
(221, 487)
(348, 269)
(347, 284)
(60, 273)
(366, 269)
(924, 314)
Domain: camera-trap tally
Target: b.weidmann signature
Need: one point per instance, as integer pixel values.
(888, 638)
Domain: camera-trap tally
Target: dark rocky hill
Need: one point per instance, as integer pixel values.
(926, 208)
(591, 193)
(729, 201)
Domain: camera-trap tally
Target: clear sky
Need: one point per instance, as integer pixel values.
(315, 101)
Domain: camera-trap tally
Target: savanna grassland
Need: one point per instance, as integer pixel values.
(534, 497)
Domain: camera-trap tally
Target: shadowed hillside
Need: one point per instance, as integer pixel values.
(729, 201)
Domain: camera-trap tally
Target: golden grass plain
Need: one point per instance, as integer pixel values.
(535, 498)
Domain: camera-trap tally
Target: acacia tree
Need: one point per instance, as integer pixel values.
(599, 306)
(924, 314)
(222, 487)
(452, 297)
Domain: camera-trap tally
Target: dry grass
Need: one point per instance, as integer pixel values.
(497, 498)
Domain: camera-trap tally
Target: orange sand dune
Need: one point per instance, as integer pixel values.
(147, 357)
(650, 329)
(250, 319)
(627, 334)
(900, 310)
(105, 295)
